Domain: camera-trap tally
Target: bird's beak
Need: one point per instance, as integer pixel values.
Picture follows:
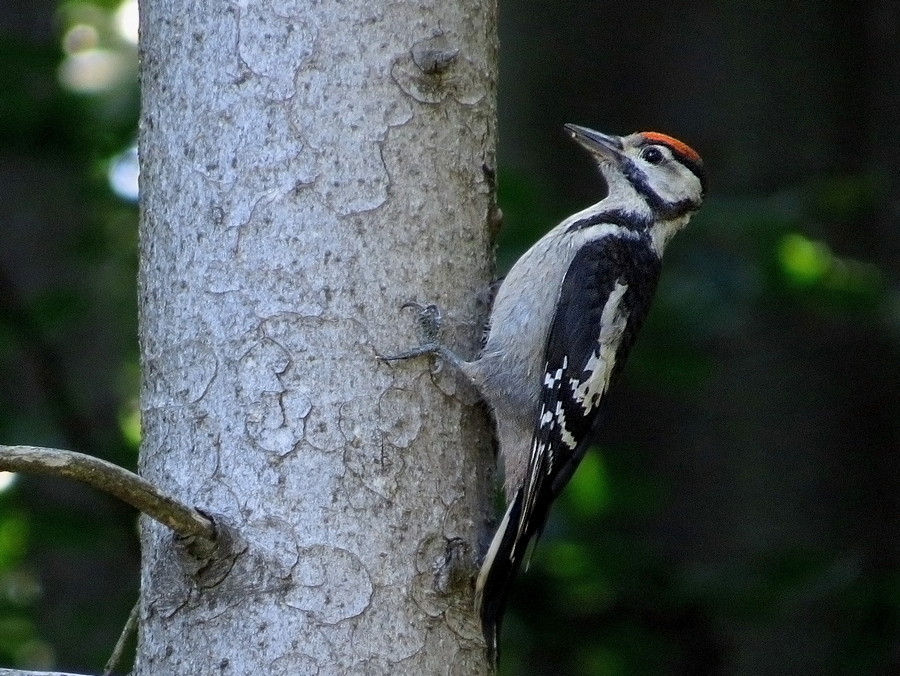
(604, 145)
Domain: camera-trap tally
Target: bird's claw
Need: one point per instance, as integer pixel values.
(430, 320)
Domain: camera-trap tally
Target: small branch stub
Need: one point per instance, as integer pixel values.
(435, 55)
(208, 562)
(454, 570)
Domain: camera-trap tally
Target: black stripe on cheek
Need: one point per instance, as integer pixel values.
(660, 207)
(618, 217)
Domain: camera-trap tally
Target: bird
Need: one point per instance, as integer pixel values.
(561, 326)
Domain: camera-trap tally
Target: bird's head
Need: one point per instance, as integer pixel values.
(666, 173)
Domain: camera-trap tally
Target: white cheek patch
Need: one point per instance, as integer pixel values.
(675, 183)
(600, 364)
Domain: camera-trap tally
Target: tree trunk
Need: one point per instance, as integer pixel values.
(306, 169)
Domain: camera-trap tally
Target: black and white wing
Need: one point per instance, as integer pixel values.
(603, 300)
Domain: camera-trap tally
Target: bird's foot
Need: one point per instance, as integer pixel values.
(430, 322)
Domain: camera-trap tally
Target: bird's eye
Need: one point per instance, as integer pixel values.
(652, 155)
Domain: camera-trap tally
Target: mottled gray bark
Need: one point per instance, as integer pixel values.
(306, 169)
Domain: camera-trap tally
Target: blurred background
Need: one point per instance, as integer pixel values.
(742, 513)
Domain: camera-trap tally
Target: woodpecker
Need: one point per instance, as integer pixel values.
(561, 326)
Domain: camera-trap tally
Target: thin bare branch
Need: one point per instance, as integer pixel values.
(26, 672)
(118, 651)
(127, 486)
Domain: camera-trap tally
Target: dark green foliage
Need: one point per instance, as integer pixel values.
(68, 350)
